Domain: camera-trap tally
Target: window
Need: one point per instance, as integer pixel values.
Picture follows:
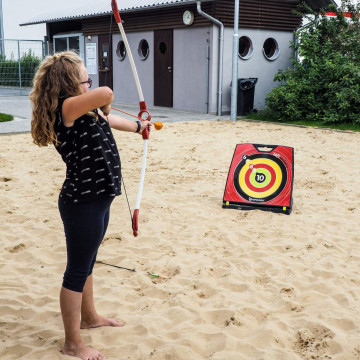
(121, 50)
(67, 42)
(143, 49)
(74, 43)
(60, 44)
(162, 48)
(271, 49)
(245, 48)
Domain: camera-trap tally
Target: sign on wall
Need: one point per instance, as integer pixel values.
(91, 58)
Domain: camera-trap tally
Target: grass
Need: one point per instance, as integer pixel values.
(5, 117)
(266, 116)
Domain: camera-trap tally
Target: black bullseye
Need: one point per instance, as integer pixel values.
(260, 178)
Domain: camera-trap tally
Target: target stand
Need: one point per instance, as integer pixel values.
(260, 177)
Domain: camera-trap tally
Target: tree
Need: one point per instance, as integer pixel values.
(324, 83)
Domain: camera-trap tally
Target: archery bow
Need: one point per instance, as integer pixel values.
(143, 110)
(158, 125)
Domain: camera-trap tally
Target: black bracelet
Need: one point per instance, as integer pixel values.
(139, 126)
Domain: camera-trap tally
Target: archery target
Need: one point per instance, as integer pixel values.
(260, 178)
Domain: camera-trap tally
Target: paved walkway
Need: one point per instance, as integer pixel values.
(20, 107)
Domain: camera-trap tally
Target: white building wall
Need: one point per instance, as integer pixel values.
(195, 83)
(191, 69)
(257, 66)
(125, 90)
(214, 66)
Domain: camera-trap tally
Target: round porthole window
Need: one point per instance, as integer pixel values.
(143, 49)
(162, 47)
(271, 49)
(121, 50)
(245, 48)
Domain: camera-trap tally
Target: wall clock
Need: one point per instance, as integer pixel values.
(188, 17)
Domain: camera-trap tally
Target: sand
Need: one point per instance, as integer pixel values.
(237, 285)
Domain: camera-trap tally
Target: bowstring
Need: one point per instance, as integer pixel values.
(106, 74)
(127, 199)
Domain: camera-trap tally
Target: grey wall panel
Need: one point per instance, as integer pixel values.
(190, 72)
(190, 67)
(214, 63)
(125, 90)
(257, 66)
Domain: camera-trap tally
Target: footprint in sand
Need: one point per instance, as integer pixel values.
(5, 179)
(16, 249)
(318, 341)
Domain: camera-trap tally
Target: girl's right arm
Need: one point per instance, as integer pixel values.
(76, 106)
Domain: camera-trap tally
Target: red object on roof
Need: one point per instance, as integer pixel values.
(346, 14)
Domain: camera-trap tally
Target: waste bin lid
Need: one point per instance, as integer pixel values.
(246, 84)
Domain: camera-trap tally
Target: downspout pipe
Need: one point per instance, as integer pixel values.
(221, 53)
(2, 47)
(234, 76)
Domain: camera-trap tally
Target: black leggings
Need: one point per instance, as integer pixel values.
(85, 225)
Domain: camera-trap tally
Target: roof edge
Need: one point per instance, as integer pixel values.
(144, 8)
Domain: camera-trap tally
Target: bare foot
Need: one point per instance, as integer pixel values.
(82, 351)
(100, 321)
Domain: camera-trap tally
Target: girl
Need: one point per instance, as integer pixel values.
(77, 122)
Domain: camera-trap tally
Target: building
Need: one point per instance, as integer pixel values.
(176, 47)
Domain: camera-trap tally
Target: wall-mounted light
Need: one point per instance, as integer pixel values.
(89, 37)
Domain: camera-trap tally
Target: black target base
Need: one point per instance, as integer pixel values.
(274, 209)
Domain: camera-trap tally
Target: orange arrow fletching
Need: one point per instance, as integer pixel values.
(158, 125)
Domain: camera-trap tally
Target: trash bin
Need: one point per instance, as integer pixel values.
(245, 96)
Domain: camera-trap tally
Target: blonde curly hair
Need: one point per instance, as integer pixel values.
(58, 77)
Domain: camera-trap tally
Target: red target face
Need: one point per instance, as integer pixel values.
(260, 178)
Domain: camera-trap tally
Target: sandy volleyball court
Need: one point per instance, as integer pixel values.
(237, 285)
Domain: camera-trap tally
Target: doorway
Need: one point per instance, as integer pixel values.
(105, 61)
(163, 68)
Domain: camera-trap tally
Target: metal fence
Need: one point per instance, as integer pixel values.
(18, 62)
